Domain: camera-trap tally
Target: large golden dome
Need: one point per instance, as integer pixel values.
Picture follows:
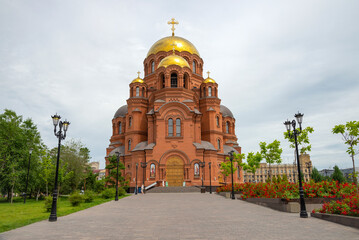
(166, 44)
(173, 60)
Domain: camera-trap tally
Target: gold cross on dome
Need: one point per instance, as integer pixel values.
(172, 22)
(138, 74)
(173, 47)
(208, 73)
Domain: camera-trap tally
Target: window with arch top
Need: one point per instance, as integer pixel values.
(218, 144)
(120, 128)
(143, 92)
(129, 121)
(227, 127)
(163, 81)
(170, 127)
(178, 127)
(137, 91)
(217, 120)
(173, 80)
(185, 81)
(209, 91)
(152, 66)
(129, 145)
(194, 66)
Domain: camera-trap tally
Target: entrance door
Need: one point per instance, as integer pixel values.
(174, 171)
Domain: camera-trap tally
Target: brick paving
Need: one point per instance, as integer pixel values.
(182, 216)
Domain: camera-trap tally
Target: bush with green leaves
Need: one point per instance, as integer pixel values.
(108, 193)
(48, 203)
(76, 199)
(89, 196)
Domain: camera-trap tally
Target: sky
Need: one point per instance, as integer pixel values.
(270, 59)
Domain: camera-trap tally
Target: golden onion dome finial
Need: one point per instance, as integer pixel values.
(173, 22)
(208, 79)
(138, 79)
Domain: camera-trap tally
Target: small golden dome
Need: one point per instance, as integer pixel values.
(173, 60)
(138, 79)
(166, 44)
(209, 80)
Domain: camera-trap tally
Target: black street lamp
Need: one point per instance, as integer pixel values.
(210, 177)
(27, 177)
(143, 165)
(136, 179)
(296, 132)
(202, 164)
(309, 165)
(61, 136)
(118, 163)
(231, 158)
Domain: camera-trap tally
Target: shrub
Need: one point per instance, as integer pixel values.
(48, 203)
(75, 199)
(89, 196)
(108, 193)
(121, 191)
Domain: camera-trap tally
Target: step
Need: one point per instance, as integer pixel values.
(174, 190)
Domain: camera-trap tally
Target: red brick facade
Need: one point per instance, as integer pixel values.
(173, 121)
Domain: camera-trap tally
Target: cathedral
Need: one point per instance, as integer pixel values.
(173, 131)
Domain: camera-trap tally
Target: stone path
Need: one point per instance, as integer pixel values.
(182, 216)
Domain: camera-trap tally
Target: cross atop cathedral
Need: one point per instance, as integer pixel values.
(138, 74)
(172, 22)
(208, 73)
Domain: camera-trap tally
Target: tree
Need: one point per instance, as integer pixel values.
(17, 137)
(338, 175)
(302, 140)
(271, 153)
(112, 172)
(226, 169)
(253, 162)
(350, 134)
(316, 175)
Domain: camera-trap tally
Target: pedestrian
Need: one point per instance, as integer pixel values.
(143, 189)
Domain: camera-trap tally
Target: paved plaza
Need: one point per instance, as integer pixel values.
(182, 216)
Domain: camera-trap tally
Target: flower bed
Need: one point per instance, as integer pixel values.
(288, 190)
(349, 206)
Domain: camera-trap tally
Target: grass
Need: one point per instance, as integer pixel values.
(19, 214)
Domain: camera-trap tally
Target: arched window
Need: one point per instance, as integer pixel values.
(217, 118)
(129, 121)
(178, 127)
(173, 80)
(143, 92)
(129, 145)
(218, 144)
(209, 91)
(194, 66)
(152, 66)
(196, 170)
(163, 81)
(137, 91)
(185, 81)
(227, 127)
(119, 127)
(152, 170)
(204, 92)
(170, 127)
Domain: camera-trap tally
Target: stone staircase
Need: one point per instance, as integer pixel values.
(174, 190)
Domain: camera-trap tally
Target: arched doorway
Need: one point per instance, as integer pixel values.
(174, 171)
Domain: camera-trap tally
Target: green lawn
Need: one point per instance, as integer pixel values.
(19, 214)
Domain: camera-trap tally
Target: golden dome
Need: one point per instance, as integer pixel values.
(166, 44)
(173, 60)
(209, 80)
(137, 80)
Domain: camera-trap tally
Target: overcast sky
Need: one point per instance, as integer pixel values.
(269, 58)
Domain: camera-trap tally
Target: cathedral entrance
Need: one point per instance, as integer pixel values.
(174, 171)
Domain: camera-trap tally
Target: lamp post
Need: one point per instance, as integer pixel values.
(143, 165)
(202, 164)
(231, 158)
(296, 132)
(210, 177)
(118, 163)
(136, 179)
(63, 125)
(27, 177)
(309, 165)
